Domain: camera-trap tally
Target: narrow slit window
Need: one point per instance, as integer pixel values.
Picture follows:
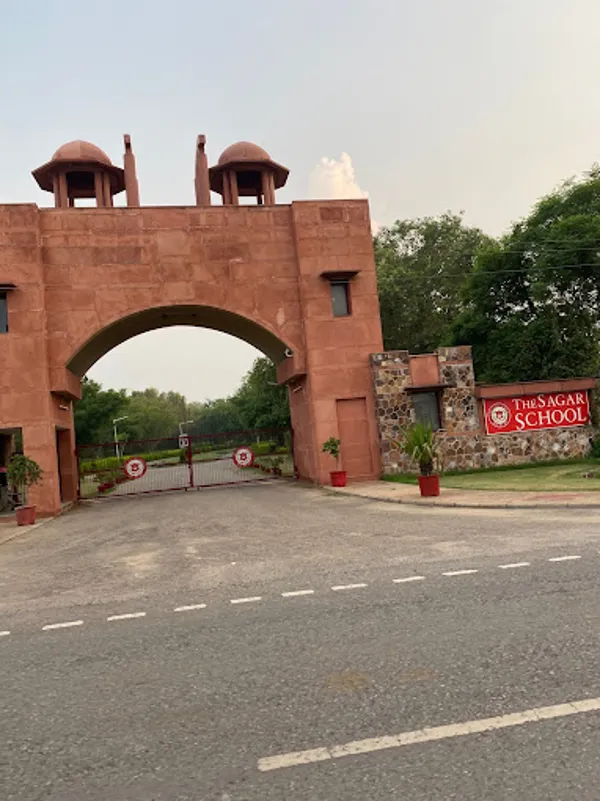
(340, 298)
(3, 314)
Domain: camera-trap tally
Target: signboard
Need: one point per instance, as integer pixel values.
(184, 441)
(536, 412)
(135, 467)
(243, 457)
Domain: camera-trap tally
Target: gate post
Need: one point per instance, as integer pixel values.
(190, 460)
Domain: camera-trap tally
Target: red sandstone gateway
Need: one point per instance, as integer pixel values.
(297, 281)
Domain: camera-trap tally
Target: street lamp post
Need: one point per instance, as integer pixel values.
(182, 424)
(115, 433)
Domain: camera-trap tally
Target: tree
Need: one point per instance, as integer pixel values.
(214, 417)
(263, 403)
(152, 414)
(95, 412)
(531, 305)
(259, 402)
(421, 267)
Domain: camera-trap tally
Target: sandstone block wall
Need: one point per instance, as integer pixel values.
(463, 442)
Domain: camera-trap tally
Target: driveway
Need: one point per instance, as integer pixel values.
(271, 641)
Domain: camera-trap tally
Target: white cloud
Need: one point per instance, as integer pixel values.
(336, 180)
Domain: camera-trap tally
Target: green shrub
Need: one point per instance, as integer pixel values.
(23, 472)
(332, 446)
(419, 443)
(595, 451)
(263, 448)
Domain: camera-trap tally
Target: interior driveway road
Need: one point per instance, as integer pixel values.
(276, 642)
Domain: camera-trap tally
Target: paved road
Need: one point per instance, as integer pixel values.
(223, 631)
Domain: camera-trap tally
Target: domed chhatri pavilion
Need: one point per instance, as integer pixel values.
(295, 280)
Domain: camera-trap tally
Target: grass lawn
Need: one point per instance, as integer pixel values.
(554, 477)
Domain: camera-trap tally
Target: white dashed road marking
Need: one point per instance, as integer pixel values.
(67, 625)
(298, 593)
(427, 735)
(460, 572)
(189, 608)
(348, 587)
(570, 558)
(249, 600)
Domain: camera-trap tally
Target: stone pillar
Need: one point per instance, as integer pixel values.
(108, 201)
(226, 189)
(39, 443)
(268, 188)
(25, 399)
(63, 192)
(132, 189)
(202, 181)
(68, 464)
(233, 185)
(99, 188)
(56, 190)
(338, 391)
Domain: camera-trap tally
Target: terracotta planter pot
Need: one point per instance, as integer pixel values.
(338, 478)
(429, 486)
(25, 515)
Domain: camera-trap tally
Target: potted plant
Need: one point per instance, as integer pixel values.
(332, 446)
(419, 443)
(22, 473)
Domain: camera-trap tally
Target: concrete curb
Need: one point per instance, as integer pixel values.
(461, 504)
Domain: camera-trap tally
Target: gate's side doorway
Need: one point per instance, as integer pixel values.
(115, 469)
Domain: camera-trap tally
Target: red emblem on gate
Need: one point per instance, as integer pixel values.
(135, 467)
(243, 457)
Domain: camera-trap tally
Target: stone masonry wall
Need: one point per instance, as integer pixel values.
(463, 443)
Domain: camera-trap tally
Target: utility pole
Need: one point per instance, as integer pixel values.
(116, 435)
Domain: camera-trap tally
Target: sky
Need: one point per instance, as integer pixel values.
(424, 107)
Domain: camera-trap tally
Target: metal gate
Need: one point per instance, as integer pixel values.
(116, 469)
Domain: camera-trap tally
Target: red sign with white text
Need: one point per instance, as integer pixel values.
(535, 412)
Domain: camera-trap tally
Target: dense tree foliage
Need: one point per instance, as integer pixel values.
(421, 268)
(532, 301)
(258, 403)
(96, 410)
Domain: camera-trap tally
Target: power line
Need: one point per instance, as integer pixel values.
(525, 272)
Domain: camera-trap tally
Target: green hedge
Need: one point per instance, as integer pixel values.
(268, 448)
(114, 462)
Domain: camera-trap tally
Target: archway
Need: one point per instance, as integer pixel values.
(293, 279)
(124, 328)
(182, 443)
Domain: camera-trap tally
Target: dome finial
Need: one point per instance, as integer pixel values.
(245, 169)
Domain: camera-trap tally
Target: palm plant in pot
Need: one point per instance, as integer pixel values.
(332, 446)
(419, 443)
(22, 473)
